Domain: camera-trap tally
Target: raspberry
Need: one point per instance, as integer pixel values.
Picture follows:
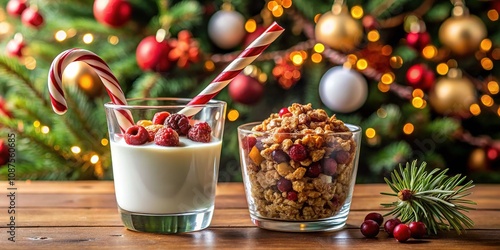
(159, 117)
(248, 142)
(152, 129)
(297, 152)
(179, 123)
(136, 135)
(200, 132)
(166, 137)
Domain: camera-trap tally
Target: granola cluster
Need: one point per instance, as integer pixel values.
(298, 164)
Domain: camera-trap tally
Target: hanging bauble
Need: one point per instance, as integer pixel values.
(14, 47)
(153, 55)
(286, 73)
(226, 28)
(4, 153)
(418, 40)
(16, 7)
(477, 160)
(113, 13)
(370, 22)
(339, 30)
(452, 95)
(462, 34)
(343, 90)
(185, 49)
(420, 76)
(250, 37)
(31, 17)
(81, 75)
(4, 110)
(245, 89)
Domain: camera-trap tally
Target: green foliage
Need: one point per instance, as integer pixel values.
(432, 197)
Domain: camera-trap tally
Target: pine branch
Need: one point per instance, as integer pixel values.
(12, 74)
(431, 197)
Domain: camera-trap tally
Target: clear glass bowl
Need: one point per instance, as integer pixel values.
(287, 193)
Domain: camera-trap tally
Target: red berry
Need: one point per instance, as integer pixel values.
(159, 117)
(283, 112)
(390, 224)
(32, 18)
(314, 170)
(402, 232)
(15, 48)
(280, 156)
(16, 7)
(136, 135)
(292, 195)
(166, 137)
(342, 157)
(200, 132)
(297, 152)
(418, 229)
(375, 217)
(284, 185)
(179, 123)
(329, 166)
(369, 228)
(248, 142)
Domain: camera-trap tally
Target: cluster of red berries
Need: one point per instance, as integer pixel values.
(165, 128)
(393, 227)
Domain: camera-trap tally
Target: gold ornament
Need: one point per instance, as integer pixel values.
(82, 75)
(477, 160)
(339, 30)
(452, 95)
(462, 33)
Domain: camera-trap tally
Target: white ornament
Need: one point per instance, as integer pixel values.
(343, 90)
(226, 28)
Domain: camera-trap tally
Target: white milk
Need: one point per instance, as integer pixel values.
(156, 179)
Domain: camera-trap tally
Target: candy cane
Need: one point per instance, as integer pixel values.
(245, 58)
(59, 105)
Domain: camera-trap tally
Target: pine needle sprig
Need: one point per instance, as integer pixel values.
(432, 197)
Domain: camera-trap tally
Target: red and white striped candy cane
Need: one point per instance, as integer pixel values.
(245, 58)
(110, 82)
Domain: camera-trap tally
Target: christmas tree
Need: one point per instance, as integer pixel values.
(417, 76)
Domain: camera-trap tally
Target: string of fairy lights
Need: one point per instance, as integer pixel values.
(316, 53)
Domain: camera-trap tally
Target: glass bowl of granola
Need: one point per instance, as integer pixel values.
(299, 168)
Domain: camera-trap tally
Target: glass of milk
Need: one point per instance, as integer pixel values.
(162, 189)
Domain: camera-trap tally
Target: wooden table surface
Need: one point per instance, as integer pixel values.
(83, 214)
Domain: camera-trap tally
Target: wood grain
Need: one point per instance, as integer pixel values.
(83, 214)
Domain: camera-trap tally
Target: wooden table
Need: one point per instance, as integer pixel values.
(83, 214)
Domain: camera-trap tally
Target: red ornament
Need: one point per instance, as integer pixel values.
(370, 22)
(4, 153)
(245, 89)
(492, 154)
(15, 47)
(418, 40)
(16, 7)
(420, 76)
(250, 37)
(153, 55)
(286, 73)
(31, 17)
(113, 13)
(184, 50)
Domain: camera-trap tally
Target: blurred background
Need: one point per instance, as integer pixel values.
(418, 76)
